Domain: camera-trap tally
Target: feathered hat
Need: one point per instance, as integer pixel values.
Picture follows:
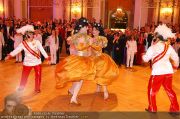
(26, 29)
(163, 32)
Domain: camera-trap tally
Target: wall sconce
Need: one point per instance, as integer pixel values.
(1, 9)
(166, 12)
(76, 9)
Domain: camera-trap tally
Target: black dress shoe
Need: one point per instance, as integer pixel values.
(174, 113)
(149, 111)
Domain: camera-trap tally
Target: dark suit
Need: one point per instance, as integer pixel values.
(116, 52)
(59, 48)
(109, 47)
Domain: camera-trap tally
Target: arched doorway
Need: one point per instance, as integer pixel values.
(118, 19)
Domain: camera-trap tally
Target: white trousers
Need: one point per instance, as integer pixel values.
(130, 58)
(1, 52)
(53, 54)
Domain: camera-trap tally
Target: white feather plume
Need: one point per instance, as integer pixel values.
(164, 31)
(25, 28)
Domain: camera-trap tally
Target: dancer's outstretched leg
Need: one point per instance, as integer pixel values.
(71, 90)
(98, 88)
(106, 94)
(76, 91)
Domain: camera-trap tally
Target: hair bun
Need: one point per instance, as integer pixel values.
(80, 24)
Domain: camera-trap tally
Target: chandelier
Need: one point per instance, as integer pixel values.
(76, 8)
(118, 14)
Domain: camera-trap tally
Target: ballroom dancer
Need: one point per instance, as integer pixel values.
(106, 68)
(78, 66)
(162, 70)
(32, 49)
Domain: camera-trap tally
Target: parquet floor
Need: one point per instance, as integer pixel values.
(127, 93)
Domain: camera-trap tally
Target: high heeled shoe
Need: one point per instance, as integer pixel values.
(106, 96)
(106, 99)
(75, 103)
(69, 93)
(174, 113)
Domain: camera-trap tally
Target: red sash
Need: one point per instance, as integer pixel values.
(31, 50)
(161, 55)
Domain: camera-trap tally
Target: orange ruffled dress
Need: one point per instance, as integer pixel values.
(76, 67)
(106, 69)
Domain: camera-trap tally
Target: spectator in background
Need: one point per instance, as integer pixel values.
(38, 35)
(54, 45)
(110, 38)
(18, 38)
(131, 45)
(69, 30)
(140, 48)
(116, 49)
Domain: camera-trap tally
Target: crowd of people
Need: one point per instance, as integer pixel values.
(125, 47)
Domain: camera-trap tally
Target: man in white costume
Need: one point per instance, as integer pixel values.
(162, 69)
(32, 49)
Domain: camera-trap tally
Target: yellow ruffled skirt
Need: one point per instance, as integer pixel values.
(106, 70)
(74, 68)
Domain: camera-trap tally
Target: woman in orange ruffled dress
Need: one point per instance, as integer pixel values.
(106, 69)
(79, 65)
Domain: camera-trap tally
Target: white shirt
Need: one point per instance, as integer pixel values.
(38, 37)
(52, 43)
(163, 66)
(17, 40)
(1, 39)
(131, 46)
(30, 60)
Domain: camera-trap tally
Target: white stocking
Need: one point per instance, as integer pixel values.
(98, 88)
(106, 94)
(76, 91)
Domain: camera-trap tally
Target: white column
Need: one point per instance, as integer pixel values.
(1, 7)
(57, 9)
(6, 8)
(137, 13)
(97, 10)
(18, 9)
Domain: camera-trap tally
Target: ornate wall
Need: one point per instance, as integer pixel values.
(151, 11)
(127, 5)
(40, 9)
(140, 12)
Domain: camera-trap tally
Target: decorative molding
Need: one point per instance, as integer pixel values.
(154, 4)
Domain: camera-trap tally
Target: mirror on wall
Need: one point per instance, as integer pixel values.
(119, 19)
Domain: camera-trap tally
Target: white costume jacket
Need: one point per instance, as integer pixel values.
(163, 66)
(30, 60)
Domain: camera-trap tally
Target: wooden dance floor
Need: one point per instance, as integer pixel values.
(127, 93)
